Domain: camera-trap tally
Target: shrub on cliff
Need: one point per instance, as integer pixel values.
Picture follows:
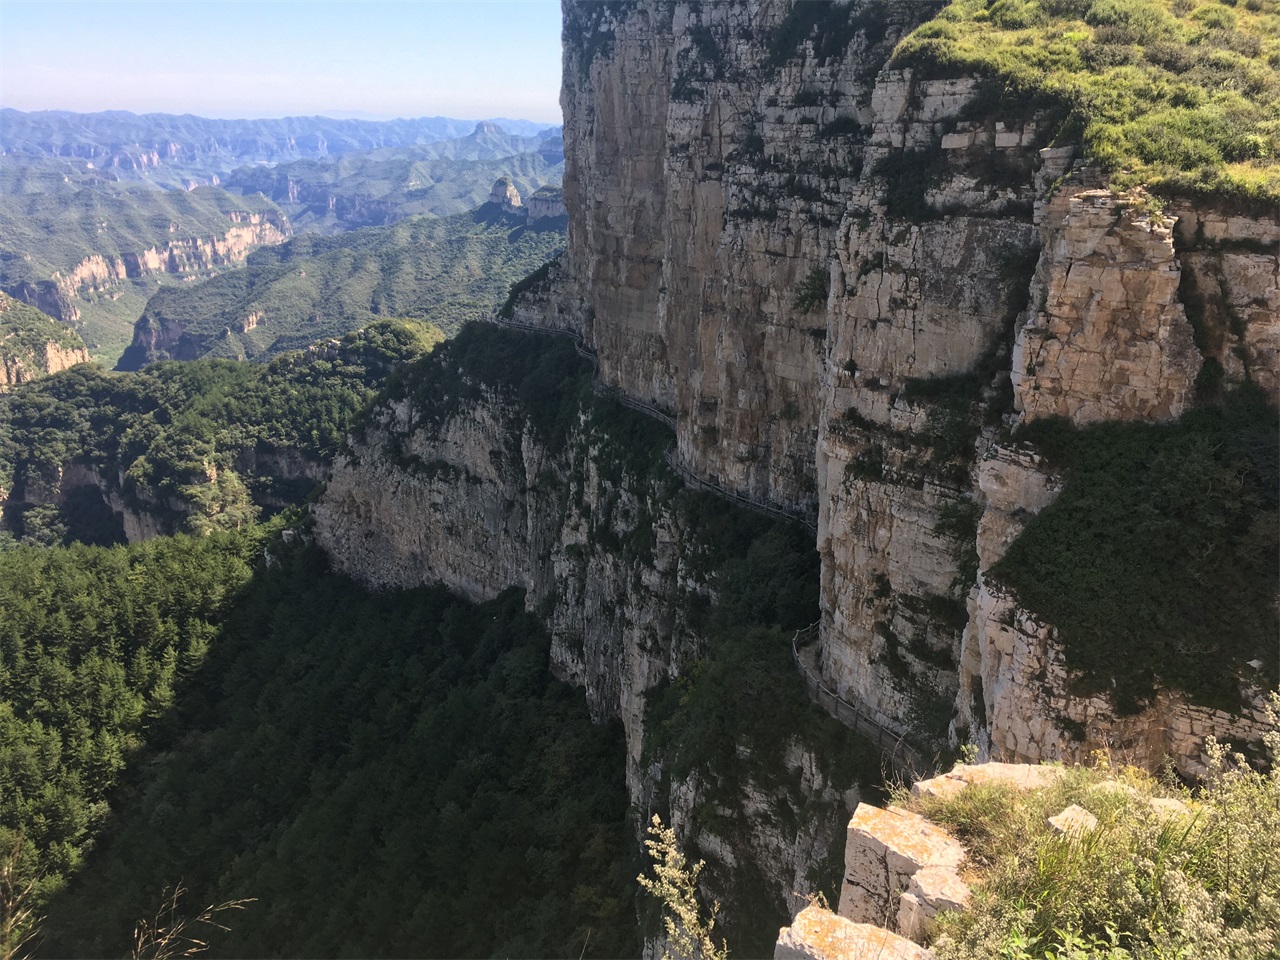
(1148, 883)
(183, 436)
(25, 332)
(1158, 562)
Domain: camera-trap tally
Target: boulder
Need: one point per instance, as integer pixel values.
(818, 934)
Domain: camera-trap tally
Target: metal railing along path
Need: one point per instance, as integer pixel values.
(904, 759)
(759, 506)
(659, 414)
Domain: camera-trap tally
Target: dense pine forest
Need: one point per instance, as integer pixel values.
(381, 774)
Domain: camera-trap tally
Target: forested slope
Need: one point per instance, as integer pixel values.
(385, 775)
(446, 271)
(195, 447)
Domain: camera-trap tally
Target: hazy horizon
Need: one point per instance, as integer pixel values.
(273, 58)
(322, 115)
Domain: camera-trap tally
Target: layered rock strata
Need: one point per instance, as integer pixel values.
(832, 274)
(58, 295)
(885, 851)
(51, 358)
(1112, 340)
(707, 162)
(901, 870)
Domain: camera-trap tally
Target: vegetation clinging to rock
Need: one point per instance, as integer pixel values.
(1165, 873)
(1158, 563)
(444, 271)
(177, 432)
(1180, 95)
(25, 332)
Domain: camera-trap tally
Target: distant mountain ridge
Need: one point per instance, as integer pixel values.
(378, 187)
(178, 150)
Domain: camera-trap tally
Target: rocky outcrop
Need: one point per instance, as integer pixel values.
(32, 344)
(1017, 698)
(546, 203)
(130, 518)
(18, 368)
(505, 195)
(1230, 285)
(1112, 340)
(179, 256)
(884, 852)
(818, 934)
(134, 512)
(480, 503)
(902, 870)
(544, 208)
(609, 558)
(1031, 712)
(59, 295)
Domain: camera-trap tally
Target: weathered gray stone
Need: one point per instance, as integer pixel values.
(1075, 820)
(1022, 776)
(883, 850)
(930, 891)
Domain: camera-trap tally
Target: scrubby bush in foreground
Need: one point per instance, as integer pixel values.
(1149, 883)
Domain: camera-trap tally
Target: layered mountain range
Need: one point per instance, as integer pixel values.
(90, 244)
(184, 150)
(865, 315)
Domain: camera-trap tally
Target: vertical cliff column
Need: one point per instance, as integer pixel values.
(1231, 289)
(1110, 340)
(616, 88)
(933, 267)
(1107, 338)
(710, 149)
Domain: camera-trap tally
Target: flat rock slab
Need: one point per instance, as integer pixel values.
(1169, 808)
(818, 934)
(1023, 776)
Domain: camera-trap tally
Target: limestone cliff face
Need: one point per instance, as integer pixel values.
(846, 283)
(33, 345)
(480, 504)
(505, 194)
(1112, 340)
(1230, 284)
(707, 164)
(58, 295)
(137, 511)
(546, 203)
(51, 358)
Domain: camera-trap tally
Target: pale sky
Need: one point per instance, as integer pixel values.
(273, 58)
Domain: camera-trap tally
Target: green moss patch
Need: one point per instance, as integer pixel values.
(1180, 95)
